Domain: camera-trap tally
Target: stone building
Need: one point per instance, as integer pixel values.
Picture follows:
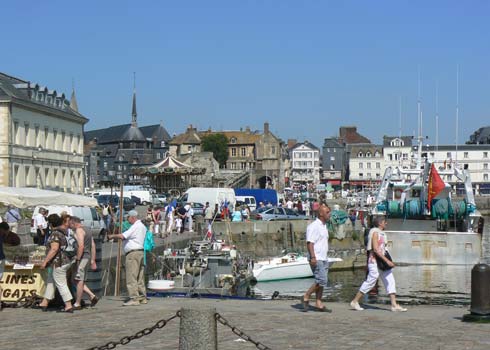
(113, 153)
(366, 164)
(41, 137)
(398, 151)
(258, 155)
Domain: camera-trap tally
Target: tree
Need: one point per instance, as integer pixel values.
(218, 144)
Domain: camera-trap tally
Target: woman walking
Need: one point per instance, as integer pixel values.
(58, 263)
(376, 250)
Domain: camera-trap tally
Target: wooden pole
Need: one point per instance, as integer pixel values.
(119, 243)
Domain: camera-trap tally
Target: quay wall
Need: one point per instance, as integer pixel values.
(262, 239)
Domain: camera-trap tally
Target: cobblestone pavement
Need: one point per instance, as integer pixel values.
(278, 324)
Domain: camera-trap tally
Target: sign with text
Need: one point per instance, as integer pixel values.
(16, 284)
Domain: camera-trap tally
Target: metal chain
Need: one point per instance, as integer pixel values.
(240, 333)
(125, 340)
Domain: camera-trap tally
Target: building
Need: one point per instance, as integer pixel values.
(474, 158)
(258, 154)
(305, 163)
(337, 151)
(333, 161)
(41, 137)
(398, 151)
(113, 153)
(366, 164)
(480, 136)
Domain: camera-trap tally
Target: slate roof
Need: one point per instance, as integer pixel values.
(307, 144)
(116, 133)
(407, 140)
(15, 89)
(349, 135)
(480, 136)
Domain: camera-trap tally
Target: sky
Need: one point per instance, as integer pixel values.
(306, 67)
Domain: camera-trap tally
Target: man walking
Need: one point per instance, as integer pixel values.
(317, 245)
(85, 254)
(134, 239)
(7, 237)
(41, 226)
(12, 216)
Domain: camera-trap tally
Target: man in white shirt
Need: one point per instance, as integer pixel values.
(134, 240)
(317, 245)
(41, 226)
(189, 215)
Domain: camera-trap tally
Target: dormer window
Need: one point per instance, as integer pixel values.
(368, 154)
(376, 154)
(233, 140)
(397, 143)
(360, 155)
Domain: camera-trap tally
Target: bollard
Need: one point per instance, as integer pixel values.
(480, 294)
(198, 330)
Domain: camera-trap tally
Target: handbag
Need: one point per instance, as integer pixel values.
(382, 265)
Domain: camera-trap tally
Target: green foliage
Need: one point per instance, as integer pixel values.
(218, 144)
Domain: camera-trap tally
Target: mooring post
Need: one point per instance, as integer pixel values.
(198, 329)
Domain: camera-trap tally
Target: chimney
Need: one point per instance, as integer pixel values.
(266, 128)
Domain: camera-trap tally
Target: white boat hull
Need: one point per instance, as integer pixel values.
(276, 269)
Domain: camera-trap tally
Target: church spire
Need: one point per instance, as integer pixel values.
(134, 115)
(73, 99)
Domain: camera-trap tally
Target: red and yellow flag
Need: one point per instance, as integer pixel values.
(436, 185)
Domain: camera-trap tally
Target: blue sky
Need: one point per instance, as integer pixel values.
(306, 67)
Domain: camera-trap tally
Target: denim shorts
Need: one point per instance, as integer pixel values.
(320, 272)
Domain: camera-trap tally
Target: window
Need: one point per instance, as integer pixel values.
(448, 154)
(26, 129)
(368, 154)
(390, 156)
(162, 143)
(405, 156)
(273, 149)
(189, 148)
(359, 154)
(485, 165)
(243, 165)
(72, 146)
(378, 175)
(63, 135)
(233, 152)
(244, 151)
(46, 135)
(233, 140)
(105, 164)
(485, 177)
(369, 175)
(378, 165)
(377, 154)
(332, 166)
(368, 165)
(431, 154)
(232, 165)
(332, 158)
(361, 175)
(361, 166)
(465, 155)
(37, 141)
(16, 132)
(485, 154)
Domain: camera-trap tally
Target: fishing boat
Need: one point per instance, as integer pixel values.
(427, 224)
(204, 269)
(289, 266)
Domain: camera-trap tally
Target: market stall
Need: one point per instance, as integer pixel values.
(23, 276)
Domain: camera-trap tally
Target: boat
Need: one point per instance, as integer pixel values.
(289, 266)
(427, 229)
(204, 269)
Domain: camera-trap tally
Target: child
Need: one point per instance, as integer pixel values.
(178, 224)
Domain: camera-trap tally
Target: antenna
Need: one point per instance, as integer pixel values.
(437, 115)
(457, 113)
(419, 116)
(400, 116)
(134, 81)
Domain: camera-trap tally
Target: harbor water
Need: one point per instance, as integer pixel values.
(416, 284)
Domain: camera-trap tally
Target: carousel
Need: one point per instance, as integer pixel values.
(171, 175)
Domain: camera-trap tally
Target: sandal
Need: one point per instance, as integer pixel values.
(324, 309)
(94, 301)
(68, 311)
(306, 305)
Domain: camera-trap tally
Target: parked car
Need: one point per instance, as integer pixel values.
(198, 209)
(159, 199)
(113, 200)
(276, 213)
(136, 200)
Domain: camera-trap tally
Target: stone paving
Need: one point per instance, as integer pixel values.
(278, 324)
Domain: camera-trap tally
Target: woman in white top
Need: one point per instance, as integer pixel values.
(376, 250)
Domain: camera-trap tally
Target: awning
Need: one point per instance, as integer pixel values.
(23, 197)
(334, 182)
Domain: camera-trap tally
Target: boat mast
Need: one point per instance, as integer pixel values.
(457, 114)
(437, 115)
(400, 130)
(419, 118)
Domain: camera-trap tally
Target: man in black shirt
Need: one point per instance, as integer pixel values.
(181, 212)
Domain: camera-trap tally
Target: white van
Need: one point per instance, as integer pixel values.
(213, 195)
(248, 200)
(91, 220)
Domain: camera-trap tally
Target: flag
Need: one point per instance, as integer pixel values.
(436, 185)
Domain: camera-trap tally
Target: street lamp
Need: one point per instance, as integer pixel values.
(35, 151)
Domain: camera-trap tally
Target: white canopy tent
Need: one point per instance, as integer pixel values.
(23, 197)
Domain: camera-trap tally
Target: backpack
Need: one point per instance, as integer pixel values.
(149, 244)
(71, 247)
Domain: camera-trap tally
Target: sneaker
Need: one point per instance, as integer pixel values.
(131, 302)
(356, 306)
(143, 300)
(398, 308)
